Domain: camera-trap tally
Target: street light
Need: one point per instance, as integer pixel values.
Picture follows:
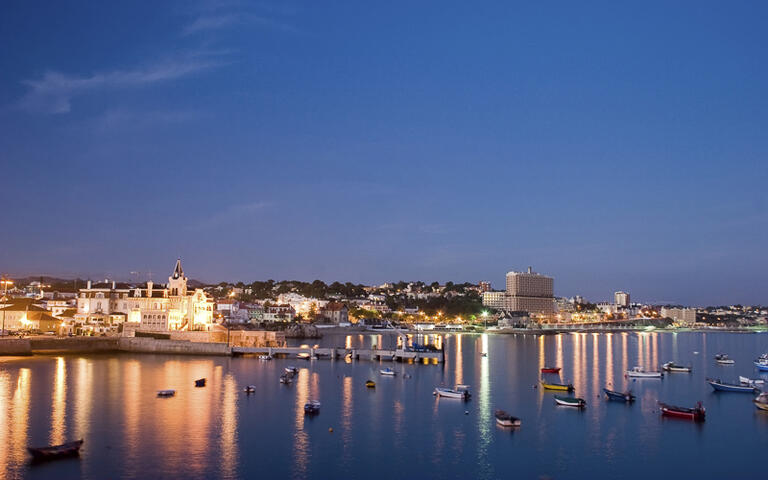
(5, 284)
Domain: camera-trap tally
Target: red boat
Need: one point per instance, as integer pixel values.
(696, 413)
(550, 370)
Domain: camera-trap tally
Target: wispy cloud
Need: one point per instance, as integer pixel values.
(53, 93)
(221, 21)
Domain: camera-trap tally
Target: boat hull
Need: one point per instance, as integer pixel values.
(619, 396)
(763, 367)
(696, 414)
(644, 374)
(550, 370)
(557, 387)
(71, 449)
(570, 401)
(726, 387)
(440, 392)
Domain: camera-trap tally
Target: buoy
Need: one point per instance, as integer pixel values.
(330, 430)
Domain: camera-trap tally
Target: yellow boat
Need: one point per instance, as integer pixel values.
(557, 386)
(370, 384)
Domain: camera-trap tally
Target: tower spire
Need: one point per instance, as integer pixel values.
(178, 272)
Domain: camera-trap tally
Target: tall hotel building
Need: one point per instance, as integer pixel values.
(529, 292)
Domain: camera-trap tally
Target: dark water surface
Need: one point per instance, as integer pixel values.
(398, 430)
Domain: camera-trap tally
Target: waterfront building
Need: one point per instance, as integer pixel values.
(684, 316)
(621, 299)
(23, 315)
(276, 313)
(334, 312)
(153, 308)
(529, 292)
(494, 300)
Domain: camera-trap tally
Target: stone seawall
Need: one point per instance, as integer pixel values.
(15, 347)
(73, 344)
(151, 345)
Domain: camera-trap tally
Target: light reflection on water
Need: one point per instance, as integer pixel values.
(218, 432)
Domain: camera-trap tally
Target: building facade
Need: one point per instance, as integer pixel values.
(621, 299)
(494, 300)
(153, 308)
(684, 316)
(529, 292)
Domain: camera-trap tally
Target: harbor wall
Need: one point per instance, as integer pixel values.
(15, 347)
(177, 347)
(73, 344)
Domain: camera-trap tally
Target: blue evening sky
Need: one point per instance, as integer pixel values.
(612, 145)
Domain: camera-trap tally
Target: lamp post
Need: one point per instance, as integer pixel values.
(5, 284)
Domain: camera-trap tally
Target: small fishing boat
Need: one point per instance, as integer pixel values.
(506, 420)
(721, 386)
(557, 386)
(751, 381)
(570, 401)
(250, 389)
(388, 372)
(200, 382)
(619, 396)
(696, 413)
(303, 355)
(312, 407)
(459, 391)
(166, 393)
(370, 384)
(550, 370)
(675, 368)
(291, 369)
(761, 401)
(638, 372)
(265, 357)
(286, 378)
(723, 359)
(70, 449)
(761, 362)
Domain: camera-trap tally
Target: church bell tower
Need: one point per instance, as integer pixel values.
(177, 282)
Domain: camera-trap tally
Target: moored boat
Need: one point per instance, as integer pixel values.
(200, 382)
(506, 420)
(721, 386)
(562, 387)
(166, 393)
(761, 362)
(70, 449)
(265, 357)
(370, 384)
(388, 371)
(570, 401)
(723, 359)
(675, 368)
(291, 369)
(550, 370)
(312, 407)
(619, 396)
(303, 355)
(250, 389)
(638, 372)
(751, 381)
(761, 401)
(696, 413)
(459, 391)
(286, 378)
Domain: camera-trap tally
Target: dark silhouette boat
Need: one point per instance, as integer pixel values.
(71, 449)
(619, 396)
(200, 382)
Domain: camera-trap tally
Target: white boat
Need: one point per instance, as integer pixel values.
(459, 391)
(250, 389)
(750, 381)
(638, 372)
(303, 356)
(286, 378)
(388, 371)
(291, 369)
(166, 393)
(265, 357)
(723, 359)
(506, 420)
(673, 367)
(761, 401)
(312, 407)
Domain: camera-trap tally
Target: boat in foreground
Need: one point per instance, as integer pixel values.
(166, 393)
(638, 372)
(619, 396)
(459, 391)
(675, 368)
(312, 407)
(506, 420)
(696, 413)
(721, 386)
(550, 370)
(70, 449)
(557, 386)
(388, 371)
(570, 401)
(723, 359)
(200, 382)
(761, 401)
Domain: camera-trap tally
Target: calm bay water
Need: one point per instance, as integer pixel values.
(397, 430)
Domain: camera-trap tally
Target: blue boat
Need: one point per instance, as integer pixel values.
(721, 386)
(619, 396)
(762, 366)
